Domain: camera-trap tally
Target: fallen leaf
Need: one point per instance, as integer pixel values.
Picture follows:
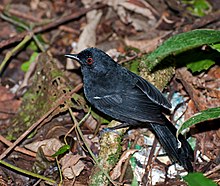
(71, 165)
(145, 11)
(116, 172)
(49, 146)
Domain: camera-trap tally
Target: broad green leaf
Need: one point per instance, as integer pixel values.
(181, 43)
(26, 64)
(198, 66)
(61, 150)
(198, 179)
(209, 114)
(216, 47)
(197, 60)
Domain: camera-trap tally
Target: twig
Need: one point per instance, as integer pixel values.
(19, 149)
(126, 163)
(129, 59)
(59, 170)
(203, 21)
(89, 150)
(193, 93)
(21, 14)
(41, 47)
(50, 25)
(198, 23)
(27, 172)
(22, 43)
(60, 101)
(69, 29)
(74, 126)
(149, 162)
(215, 169)
(17, 23)
(10, 53)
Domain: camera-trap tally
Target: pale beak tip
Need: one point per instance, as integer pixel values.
(72, 56)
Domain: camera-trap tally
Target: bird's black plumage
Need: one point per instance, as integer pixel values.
(129, 98)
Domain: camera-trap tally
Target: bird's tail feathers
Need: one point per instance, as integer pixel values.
(166, 135)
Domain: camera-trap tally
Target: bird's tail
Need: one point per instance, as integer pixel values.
(166, 135)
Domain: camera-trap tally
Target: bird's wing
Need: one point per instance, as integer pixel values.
(129, 105)
(152, 92)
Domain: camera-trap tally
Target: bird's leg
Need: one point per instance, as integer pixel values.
(122, 125)
(113, 129)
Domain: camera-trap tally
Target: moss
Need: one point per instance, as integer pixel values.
(160, 75)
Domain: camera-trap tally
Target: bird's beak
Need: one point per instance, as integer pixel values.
(73, 56)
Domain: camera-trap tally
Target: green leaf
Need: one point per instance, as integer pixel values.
(134, 66)
(215, 47)
(134, 182)
(61, 150)
(33, 46)
(198, 66)
(197, 60)
(198, 7)
(182, 43)
(209, 114)
(198, 179)
(26, 64)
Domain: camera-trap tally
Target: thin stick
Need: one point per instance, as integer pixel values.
(88, 148)
(21, 14)
(215, 169)
(18, 149)
(10, 53)
(27, 172)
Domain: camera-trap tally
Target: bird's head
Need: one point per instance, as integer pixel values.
(94, 60)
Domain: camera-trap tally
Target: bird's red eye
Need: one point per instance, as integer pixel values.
(89, 61)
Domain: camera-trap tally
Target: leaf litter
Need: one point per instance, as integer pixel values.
(122, 26)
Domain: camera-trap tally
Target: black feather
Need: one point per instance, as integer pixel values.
(130, 99)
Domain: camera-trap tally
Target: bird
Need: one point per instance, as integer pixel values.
(132, 100)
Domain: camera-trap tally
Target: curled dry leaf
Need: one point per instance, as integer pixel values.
(140, 7)
(145, 11)
(49, 146)
(116, 172)
(71, 165)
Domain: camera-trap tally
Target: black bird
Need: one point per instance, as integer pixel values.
(129, 98)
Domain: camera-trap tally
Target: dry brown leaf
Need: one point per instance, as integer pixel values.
(91, 123)
(71, 165)
(5, 94)
(145, 11)
(116, 172)
(49, 146)
(140, 7)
